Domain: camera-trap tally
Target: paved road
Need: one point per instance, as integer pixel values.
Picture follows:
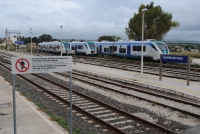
(196, 60)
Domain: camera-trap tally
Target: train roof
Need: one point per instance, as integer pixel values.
(121, 42)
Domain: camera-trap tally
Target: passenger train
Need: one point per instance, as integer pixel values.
(68, 47)
(132, 49)
(129, 49)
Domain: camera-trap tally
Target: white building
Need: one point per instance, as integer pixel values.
(13, 39)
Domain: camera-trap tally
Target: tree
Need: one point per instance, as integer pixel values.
(1, 41)
(116, 38)
(36, 40)
(72, 40)
(45, 37)
(157, 23)
(25, 39)
(107, 38)
(189, 46)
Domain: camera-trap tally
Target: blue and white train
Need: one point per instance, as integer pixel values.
(54, 47)
(132, 49)
(129, 49)
(68, 47)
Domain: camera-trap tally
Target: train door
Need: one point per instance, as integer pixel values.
(153, 51)
(86, 49)
(100, 49)
(128, 50)
(75, 49)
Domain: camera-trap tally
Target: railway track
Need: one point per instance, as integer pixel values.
(126, 128)
(167, 72)
(172, 73)
(125, 90)
(114, 119)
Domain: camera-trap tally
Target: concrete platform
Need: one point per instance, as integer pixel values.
(29, 119)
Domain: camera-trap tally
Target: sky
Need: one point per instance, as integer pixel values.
(90, 19)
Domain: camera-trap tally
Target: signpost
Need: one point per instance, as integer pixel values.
(46, 64)
(176, 59)
(19, 42)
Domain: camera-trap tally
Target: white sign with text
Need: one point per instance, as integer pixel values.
(46, 64)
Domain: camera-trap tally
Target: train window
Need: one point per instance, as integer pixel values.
(139, 48)
(86, 46)
(80, 46)
(113, 48)
(144, 48)
(57, 46)
(106, 49)
(72, 47)
(50, 46)
(44, 46)
(67, 46)
(122, 50)
(154, 47)
(134, 48)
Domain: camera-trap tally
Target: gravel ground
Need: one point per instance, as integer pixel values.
(150, 97)
(161, 111)
(156, 114)
(53, 107)
(158, 118)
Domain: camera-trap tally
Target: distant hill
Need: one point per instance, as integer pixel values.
(181, 41)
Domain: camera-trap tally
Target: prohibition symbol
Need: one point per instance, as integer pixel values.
(22, 65)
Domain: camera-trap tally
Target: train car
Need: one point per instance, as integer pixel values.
(93, 47)
(54, 47)
(132, 49)
(80, 48)
(68, 47)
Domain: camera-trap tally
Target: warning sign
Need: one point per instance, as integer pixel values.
(24, 65)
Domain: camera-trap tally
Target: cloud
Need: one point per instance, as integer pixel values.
(125, 11)
(92, 18)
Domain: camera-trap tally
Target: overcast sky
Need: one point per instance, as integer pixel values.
(89, 19)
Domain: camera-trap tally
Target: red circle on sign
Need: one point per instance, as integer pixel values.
(18, 62)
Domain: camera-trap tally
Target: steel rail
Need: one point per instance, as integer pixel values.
(174, 108)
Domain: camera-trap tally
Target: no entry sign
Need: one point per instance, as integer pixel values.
(22, 65)
(47, 64)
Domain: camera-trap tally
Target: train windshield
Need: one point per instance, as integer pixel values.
(67, 45)
(92, 46)
(161, 45)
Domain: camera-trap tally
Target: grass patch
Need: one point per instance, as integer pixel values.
(106, 56)
(153, 103)
(184, 116)
(195, 65)
(42, 107)
(17, 85)
(77, 131)
(3, 75)
(59, 120)
(63, 123)
(191, 54)
(29, 99)
(6, 79)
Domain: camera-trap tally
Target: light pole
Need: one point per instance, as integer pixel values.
(31, 39)
(61, 41)
(143, 10)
